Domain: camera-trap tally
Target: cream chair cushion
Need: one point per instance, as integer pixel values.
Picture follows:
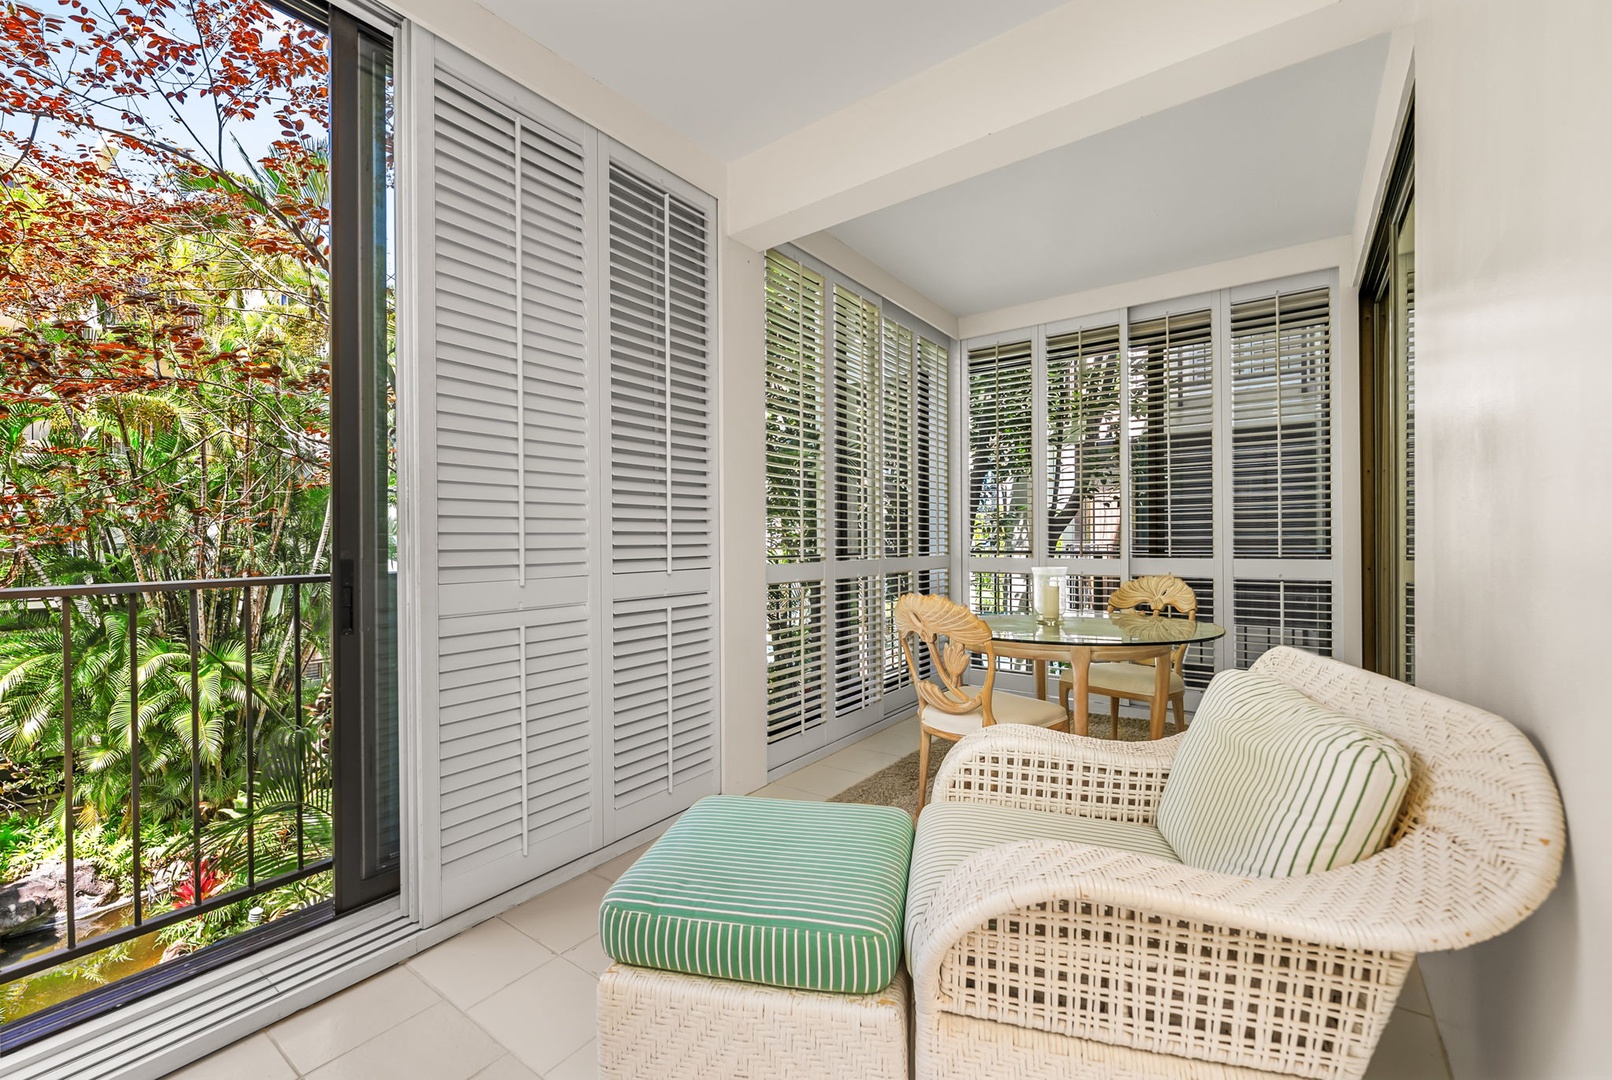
(1006, 708)
(1125, 680)
(1268, 783)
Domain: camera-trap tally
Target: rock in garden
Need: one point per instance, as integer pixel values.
(33, 902)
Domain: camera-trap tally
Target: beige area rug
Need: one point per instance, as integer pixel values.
(897, 785)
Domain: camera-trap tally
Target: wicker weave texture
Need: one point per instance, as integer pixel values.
(1036, 771)
(1294, 975)
(949, 1047)
(671, 1026)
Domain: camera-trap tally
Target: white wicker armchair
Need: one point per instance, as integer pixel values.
(1047, 958)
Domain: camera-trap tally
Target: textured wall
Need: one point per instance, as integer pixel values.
(1514, 252)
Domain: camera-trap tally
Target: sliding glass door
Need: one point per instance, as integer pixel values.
(198, 722)
(1388, 417)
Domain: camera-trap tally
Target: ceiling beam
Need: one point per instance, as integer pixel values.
(1086, 67)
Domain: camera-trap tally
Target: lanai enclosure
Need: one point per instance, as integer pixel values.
(448, 439)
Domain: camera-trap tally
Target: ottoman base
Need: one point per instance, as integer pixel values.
(670, 1026)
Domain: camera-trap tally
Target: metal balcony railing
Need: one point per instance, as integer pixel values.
(182, 603)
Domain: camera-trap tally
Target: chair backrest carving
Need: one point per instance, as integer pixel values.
(951, 634)
(1155, 592)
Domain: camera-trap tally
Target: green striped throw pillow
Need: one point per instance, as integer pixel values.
(1270, 784)
(796, 894)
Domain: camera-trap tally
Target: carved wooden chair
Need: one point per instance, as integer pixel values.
(1134, 680)
(949, 635)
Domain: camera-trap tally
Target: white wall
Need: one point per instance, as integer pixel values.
(1514, 253)
(742, 273)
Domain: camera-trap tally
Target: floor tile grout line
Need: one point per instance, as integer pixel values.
(278, 1049)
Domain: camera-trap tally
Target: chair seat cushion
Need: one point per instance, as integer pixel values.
(1125, 680)
(1005, 708)
(949, 832)
(794, 894)
(1267, 783)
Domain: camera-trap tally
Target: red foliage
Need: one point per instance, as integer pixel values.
(184, 892)
(115, 151)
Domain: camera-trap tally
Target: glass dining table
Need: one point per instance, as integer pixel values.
(1079, 639)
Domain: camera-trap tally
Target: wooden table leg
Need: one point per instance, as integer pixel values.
(1080, 672)
(1161, 694)
(1041, 679)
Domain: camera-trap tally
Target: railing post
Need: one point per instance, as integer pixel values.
(296, 676)
(251, 743)
(134, 755)
(67, 766)
(195, 751)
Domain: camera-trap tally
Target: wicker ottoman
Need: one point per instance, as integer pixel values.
(760, 938)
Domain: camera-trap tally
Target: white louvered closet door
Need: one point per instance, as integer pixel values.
(658, 274)
(517, 720)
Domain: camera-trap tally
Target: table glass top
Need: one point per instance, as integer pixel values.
(1097, 628)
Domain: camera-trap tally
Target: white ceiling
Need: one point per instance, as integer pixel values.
(734, 75)
(1266, 164)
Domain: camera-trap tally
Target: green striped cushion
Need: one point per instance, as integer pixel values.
(1269, 784)
(949, 832)
(797, 894)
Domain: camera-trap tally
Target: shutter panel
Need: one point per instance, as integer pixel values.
(895, 662)
(509, 386)
(797, 671)
(795, 298)
(662, 646)
(992, 592)
(1172, 438)
(640, 429)
(1281, 389)
(932, 473)
(1083, 433)
(896, 422)
(857, 437)
(999, 446)
(1271, 613)
(858, 643)
(664, 707)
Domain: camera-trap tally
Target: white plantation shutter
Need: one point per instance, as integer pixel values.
(1281, 612)
(795, 411)
(517, 739)
(859, 655)
(1000, 442)
(857, 433)
(932, 471)
(662, 652)
(1281, 425)
(797, 667)
(564, 417)
(1172, 436)
(895, 662)
(664, 719)
(1083, 443)
(896, 424)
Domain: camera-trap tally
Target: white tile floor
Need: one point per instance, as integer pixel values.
(513, 998)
